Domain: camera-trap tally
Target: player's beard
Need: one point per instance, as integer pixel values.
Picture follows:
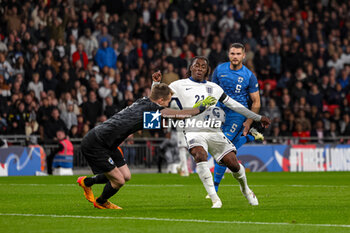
(236, 65)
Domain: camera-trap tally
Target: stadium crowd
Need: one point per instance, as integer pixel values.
(72, 64)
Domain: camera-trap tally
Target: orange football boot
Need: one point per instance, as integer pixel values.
(107, 205)
(89, 195)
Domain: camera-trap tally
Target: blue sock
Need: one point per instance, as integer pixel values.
(243, 140)
(219, 172)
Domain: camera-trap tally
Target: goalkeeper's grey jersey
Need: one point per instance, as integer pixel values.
(116, 129)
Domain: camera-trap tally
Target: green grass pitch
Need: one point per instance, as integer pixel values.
(289, 202)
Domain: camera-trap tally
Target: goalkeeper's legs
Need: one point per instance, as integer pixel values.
(200, 156)
(117, 178)
(97, 179)
(238, 172)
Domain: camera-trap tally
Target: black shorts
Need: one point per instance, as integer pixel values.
(100, 158)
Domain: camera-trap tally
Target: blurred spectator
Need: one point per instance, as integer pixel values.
(68, 116)
(337, 95)
(116, 26)
(3, 46)
(32, 126)
(272, 111)
(6, 69)
(326, 120)
(344, 79)
(17, 119)
(110, 108)
(101, 14)
(176, 28)
(90, 43)
(36, 85)
(56, 26)
(305, 122)
(300, 133)
(44, 111)
(73, 133)
(333, 133)
(65, 84)
(65, 99)
(345, 125)
(4, 88)
(261, 61)
(301, 59)
(85, 21)
(80, 55)
(39, 18)
(92, 109)
(49, 81)
(51, 126)
(105, 55)
(169, 75)
(274, 60)
(104, 36)
(12, 19)
(315, 97)
(318, 132)
(227, 22)
(314, 114)
(217, 55)
(335, 62)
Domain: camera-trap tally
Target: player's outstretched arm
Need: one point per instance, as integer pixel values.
(237, 107)
(182, 114)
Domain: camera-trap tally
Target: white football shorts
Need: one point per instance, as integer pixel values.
(216, 143)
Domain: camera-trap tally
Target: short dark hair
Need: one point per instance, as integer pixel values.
(237, 46)
(160, 91)
(188, 73)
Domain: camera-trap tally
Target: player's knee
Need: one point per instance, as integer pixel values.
(121, 182)
(118, 183)
(231, 161)
(235, 167)
(200, 157)
(199, 154)
(127, 177)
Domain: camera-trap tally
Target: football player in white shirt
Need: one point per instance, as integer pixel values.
(188, 92)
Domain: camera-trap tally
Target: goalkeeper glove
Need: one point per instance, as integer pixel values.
(204, 104)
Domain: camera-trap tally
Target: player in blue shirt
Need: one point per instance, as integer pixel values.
(241, 85)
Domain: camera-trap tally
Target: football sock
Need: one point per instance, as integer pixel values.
(241, 178)
(108, 192)
(98, 179)
(207, 180)
(219, 172)
(183, 160)
(243, 140)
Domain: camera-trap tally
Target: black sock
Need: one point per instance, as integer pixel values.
(107, 193)
(98, 179)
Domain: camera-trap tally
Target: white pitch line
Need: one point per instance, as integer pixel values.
(182, 185)
(133, 185)
(175, 220)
